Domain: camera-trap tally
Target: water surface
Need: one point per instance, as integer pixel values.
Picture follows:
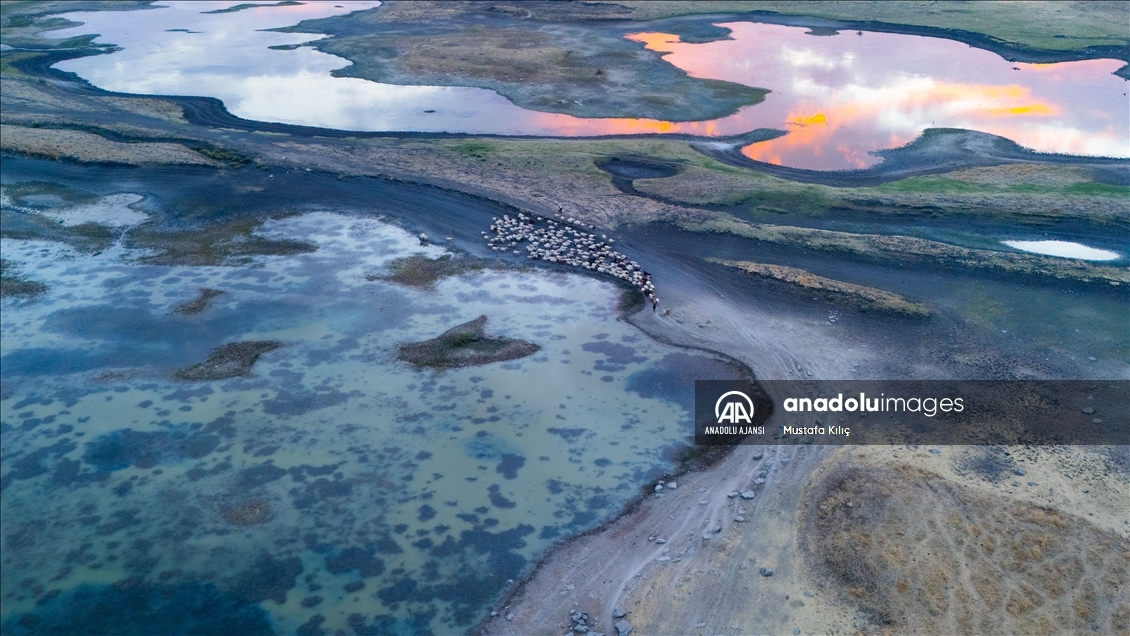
(840, 97)
(333, 481)
(1066, 249)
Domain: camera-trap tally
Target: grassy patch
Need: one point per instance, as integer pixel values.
(230, 157)
(858, 296)
(884, 247)
(475, 149)
(1057, 26)
(552, 60)
(1029, 190)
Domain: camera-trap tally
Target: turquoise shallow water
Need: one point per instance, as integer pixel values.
(335, 487)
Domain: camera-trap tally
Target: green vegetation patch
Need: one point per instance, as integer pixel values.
(13, 285)
(1055, 26)
(1011, 190)
(230, 157)
(463, 346)
(884, 247)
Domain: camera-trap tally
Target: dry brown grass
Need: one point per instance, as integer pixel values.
(924, 555)
(91, 148)
(859, 296)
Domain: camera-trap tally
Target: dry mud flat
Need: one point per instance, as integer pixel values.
(859, 540)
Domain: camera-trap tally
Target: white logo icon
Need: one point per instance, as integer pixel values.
(734, 411)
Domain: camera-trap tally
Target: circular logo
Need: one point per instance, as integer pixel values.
(733, 411)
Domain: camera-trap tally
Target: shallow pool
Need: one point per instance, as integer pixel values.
(840, 96)
(332, 484)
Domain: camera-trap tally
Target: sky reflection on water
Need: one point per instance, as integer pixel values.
(843, 96)
(840, 96)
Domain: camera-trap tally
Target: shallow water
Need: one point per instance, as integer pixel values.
(333, 481)
(840, 97)
(1066, 249)
(845, 95)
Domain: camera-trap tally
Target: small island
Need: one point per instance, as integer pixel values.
(230, 360)
(465, 345)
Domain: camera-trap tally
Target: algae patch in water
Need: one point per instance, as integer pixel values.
(423, 272)
(465, 345)
(12, 284)
(228, 361)
(227, 243)
(198, 304)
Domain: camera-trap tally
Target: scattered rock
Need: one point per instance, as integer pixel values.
(733, 494)
(707, 535)
(739, 518)
(1088, 411)
(809, 593)
(661, 540)
(1020, 472)
(659, 488)
(749, 494)
(766, 571)
(618, 612)
(1096, 421)
(623, 628)
(759, 454)
(665, 559)
(671, 486)
(935, 451)
(717, 528)
(510, 616)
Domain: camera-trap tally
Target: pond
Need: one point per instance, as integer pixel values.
(1066, 249)
(332, 480)
(839, 96)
